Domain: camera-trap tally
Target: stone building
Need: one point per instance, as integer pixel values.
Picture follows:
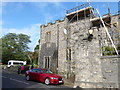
(73, 48)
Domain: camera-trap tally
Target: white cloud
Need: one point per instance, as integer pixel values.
(33, 31)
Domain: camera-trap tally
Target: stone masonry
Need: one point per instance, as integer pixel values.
(65, 49)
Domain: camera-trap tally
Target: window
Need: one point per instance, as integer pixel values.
(47, 71)
(9, 63)
(68, 54)
(48, 36)
(38, 70)
(17, 63)
(47, 62)
(20, 63)
(33, 70)
(48, 45)
(115, 25)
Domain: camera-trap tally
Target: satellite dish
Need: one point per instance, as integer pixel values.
(65, 31)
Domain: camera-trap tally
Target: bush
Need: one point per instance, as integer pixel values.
(106, 50)
(118, 48)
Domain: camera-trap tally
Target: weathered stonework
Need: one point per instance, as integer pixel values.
(87, 66)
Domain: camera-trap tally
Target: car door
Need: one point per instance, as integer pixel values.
(32, 74)
(37, 74)
(42, 76)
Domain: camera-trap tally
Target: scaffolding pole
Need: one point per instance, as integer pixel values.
(107, 32)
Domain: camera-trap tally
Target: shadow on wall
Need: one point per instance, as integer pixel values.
(49, 50)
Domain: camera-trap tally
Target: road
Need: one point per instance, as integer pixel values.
(13, 80)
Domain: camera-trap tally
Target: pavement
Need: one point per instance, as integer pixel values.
(68, 83)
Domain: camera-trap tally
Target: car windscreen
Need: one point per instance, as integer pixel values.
(9, 63)
(47, 71)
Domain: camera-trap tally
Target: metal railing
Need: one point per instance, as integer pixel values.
(77, 8)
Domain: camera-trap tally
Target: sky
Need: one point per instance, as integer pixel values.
(26, 17)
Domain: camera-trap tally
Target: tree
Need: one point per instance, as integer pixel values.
(35, 54)
(14, 46)
(29, 55)
(33, 57)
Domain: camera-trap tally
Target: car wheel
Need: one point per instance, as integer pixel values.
(47, 81)
(27, 77)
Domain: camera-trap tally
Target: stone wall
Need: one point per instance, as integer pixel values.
(115, 30)
(87, 63)
(110, 71)
(62, 67)
(102, 74)
(57, 46)
(49, 49)
(90, 68)
(87, 67)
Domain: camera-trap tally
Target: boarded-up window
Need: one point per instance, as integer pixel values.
(48, 36)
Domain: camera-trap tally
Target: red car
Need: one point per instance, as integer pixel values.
(43, 75)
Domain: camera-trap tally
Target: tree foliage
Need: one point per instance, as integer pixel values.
(14, 46)
(33, 56)
(35, 53)
(36, 48)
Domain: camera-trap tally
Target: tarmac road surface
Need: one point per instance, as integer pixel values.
(13, 81)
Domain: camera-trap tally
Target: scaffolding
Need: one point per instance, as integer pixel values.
(108, 33)
(84, 11)
(77, 8)
(79, 12)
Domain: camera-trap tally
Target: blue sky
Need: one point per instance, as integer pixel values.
(26, 17)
